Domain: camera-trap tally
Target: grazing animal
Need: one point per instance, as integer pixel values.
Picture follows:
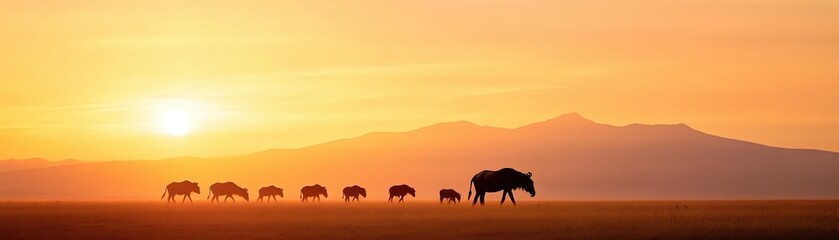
(185, 188)
(227, 189)
(401, 191)
(450, 194)
(270, 192)
(354, 191)
(313, 191)
(505, 179)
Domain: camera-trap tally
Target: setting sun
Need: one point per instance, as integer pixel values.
(176, 122)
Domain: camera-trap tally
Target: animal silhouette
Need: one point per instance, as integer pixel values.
(450, 194)
(354, 191)
(313, 191)
(401, 191)
(185, 188)
(505, 179)
(270, 192)
(227, 189)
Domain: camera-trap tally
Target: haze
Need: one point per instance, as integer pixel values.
(89, 79)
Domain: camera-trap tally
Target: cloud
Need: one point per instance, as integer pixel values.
(183, 40)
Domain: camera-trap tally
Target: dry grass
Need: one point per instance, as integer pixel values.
(422, 220)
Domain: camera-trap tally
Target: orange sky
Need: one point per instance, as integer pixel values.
(89, 79)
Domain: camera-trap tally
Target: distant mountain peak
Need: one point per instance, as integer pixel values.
(572, 116)
(572, 119)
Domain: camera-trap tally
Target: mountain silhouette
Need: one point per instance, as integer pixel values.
(570, 157)
(20, 164)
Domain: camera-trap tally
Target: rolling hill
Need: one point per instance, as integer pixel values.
(570, 157)
(20, 164)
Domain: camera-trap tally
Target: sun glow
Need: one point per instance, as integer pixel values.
(176, 122)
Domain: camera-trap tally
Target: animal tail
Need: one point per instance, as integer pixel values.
(470, 189)
(164, 193)
(209, 195)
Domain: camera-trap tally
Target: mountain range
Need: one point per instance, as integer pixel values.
(19, 164)
(571, 158)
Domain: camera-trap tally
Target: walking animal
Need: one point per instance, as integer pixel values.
(270, 192)
(227, 189)
(313, 191)
(505, 179)
(401, 191)
(450, 194)
(353, 191)
(185, 188)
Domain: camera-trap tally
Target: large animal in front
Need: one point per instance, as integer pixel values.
(353, 192)
(505, 179)
(450, 194)
(270, 192)
(228, 190)
(313, 191)
(185, 188)
(401, 191)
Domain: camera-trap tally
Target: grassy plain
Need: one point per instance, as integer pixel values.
(290, 219)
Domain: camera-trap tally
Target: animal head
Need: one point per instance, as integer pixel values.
(325, 195)
(527, 184)
(194, 188)
(457, 196)
(363, 192)
(244, 193)
(412, 192)
(280, 192)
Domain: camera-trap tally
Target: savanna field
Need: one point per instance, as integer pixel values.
(421, 220)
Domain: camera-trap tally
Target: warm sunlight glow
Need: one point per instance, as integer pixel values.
(176, 122)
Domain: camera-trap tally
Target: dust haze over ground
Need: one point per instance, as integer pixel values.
(421, 220)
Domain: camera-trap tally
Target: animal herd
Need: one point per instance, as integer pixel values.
(505, 180)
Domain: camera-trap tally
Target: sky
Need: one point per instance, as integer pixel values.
(99, 80)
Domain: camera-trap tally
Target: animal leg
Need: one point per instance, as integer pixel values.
(503, 196)
(259, 199)
(390, 199)
(190, 198)
(184, 199)
(402, 198)
(275, 198)
(512, 199)
(475, 201)
(483, 194)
